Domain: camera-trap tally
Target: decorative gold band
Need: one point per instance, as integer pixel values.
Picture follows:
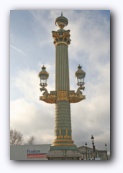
(61, 42)
(62, 95)
(63, 142)
(63, 137)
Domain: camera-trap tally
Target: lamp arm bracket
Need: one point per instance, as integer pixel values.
(79, 90)
(45, 91)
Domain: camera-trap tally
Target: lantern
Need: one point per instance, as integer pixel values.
(80, 74)
(43, 75)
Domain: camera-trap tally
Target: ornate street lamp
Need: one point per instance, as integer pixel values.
(43, 75)
(62, 96)
(92, 138)
(106, 146)
(106, 151)
(80, 74)
(86, 149)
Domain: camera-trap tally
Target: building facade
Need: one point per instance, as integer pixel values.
(40, 152)
(29, 152)
(87, 153)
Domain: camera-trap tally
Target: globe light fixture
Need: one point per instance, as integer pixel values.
(92, 138)
(43, 75)
(80, 74)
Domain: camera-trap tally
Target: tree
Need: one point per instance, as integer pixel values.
(16, 138)
(31, 140)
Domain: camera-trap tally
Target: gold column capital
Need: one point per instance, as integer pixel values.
(61, 36)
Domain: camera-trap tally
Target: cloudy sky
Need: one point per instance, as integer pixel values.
(31, 46)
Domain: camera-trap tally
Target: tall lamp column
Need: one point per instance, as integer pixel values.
(62, 96)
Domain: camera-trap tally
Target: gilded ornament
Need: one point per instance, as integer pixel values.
(62, 95)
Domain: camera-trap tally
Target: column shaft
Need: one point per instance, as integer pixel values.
(62, 114)
(62, 67)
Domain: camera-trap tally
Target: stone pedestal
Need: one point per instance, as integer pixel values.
(63, 154)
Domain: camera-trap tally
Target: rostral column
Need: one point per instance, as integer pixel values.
(63, 146)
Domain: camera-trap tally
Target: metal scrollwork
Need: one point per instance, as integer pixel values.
(45, 91)
(79, 90)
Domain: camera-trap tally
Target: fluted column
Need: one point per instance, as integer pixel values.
(62, 68)
(63, 146)
(63, 131)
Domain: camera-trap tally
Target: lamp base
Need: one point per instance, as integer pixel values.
(64, 153)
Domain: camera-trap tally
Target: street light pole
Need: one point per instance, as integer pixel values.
(106, 151)
(93, 146)
(86, 149)
(62, 96)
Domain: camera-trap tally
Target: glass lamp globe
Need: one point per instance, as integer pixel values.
(43, 75)
(80, 74)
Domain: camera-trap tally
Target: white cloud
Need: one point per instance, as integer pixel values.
(18, 50)
(21, 111)
(27, 118)
(27, 83)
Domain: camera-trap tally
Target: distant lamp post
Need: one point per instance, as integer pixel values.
(106, 146)
(106, 151)
(93, 146)
(86, 149)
